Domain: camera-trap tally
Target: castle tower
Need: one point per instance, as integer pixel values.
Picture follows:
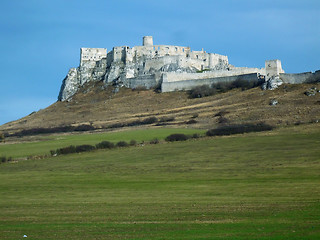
(148, 41)
(273, 68)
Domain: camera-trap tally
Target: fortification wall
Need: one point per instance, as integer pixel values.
(215, 59)
(147, 81)
(163, 50)
(160, 51)
(168, 86)
(181, 61)
(298, 78)
(273, 68)
(92, 54)
(175, 77)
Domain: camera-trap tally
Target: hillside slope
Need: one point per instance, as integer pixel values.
(94, 105)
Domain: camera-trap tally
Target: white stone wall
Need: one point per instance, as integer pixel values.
(147, 41)
(273, 68)
(297, 78)
(215, 59)
(175, 77)
(92, 54)
(170, 86)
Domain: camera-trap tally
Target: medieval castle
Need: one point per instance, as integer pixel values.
(168, 67)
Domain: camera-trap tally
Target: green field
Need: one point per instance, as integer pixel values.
(251, 186)
(48, 143)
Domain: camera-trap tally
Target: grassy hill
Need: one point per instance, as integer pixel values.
(100, 108)
(41, 145)
(249, 186)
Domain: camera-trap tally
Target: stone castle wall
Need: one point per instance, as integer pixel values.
(146, 81)
(92, 54)
(170, 86)
(174, 77)
(273, 68)
(175, 67)
(298, 78)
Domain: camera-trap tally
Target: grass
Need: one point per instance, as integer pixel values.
(251, 186)
(48, 143)
(101, 109)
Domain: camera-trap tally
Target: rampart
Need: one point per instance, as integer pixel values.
(170, 86)
(297, 78)
(146, 81)
(173, 77)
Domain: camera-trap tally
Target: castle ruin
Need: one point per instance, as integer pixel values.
(167, 67)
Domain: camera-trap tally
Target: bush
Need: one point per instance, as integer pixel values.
(36, 131)
(72, 149)
(195, 135)
(166, 119)
(117, 125)
(176, 137)
(66, 150)
(154, 141)
(239, 128)
(105, 144)
(195, 115)
(3, 159)
(192, 121)
(2, 137)
(223, 120)
(239, 83)
(245, 84)
(122, 144)
(150, 120)
(221, 113)
(202, 91)
(83, 128)
(53, 152)
(221, 87)
(84, 148)
(133, 143)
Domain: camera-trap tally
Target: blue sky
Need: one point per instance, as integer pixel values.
(41, 39)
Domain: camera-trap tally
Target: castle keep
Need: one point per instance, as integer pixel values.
(168, 67)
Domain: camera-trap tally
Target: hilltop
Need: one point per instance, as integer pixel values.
(99, 107)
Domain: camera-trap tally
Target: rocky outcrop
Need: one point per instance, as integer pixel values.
(273, 83)
(311, 91)
(70, 84)
(87, 71)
